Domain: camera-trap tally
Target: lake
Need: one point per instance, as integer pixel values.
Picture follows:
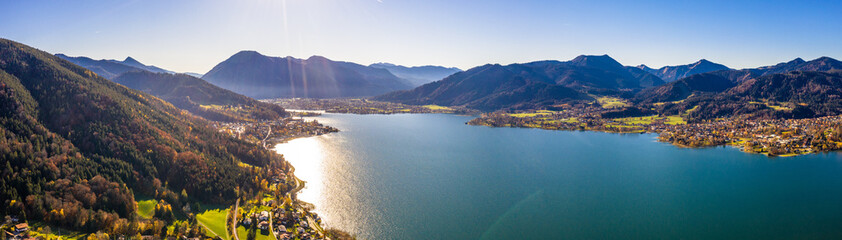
(431, 176)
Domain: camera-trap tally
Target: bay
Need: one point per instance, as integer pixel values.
(431, 176)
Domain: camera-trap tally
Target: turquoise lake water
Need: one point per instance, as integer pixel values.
(430, 176)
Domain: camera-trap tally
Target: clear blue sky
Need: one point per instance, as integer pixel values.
(193, 36)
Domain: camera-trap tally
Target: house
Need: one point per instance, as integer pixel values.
(263, 225)
(264, 216)
(21, 228)
(285, 236)
(247, 221)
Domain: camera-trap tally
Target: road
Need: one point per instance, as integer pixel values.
(267, 135)
(233, 222)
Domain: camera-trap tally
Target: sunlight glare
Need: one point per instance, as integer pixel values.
(306, 155)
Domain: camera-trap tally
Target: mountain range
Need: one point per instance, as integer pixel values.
(110, 69)
(194, 94)
(540, 84)
(528, 85)
(675, 89)
(672, 73)
(182, 90)
(722, 80)
(794, 89)
(255, 75)
(417, 76)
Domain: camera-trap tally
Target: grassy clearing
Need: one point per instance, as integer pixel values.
(675, 120)
(38, 229)
(779, 108)
(145, 206)
(212, 106)
(437, 107)
(674, 102)
(671, 120)
(691, 110)
(611, 102)
(214, 220)
(776, 107)
(246, 165)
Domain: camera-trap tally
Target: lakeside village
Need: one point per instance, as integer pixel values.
(269, 133)
(272, 212)
(772, 137)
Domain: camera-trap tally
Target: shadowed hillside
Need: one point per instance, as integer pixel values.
(258, 76)
(196, 95)
(529, 85)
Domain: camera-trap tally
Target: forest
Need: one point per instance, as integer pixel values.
(80, 148)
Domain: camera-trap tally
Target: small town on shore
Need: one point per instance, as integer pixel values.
(772, 137)
(269, 133)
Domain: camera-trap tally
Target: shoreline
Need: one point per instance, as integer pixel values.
(320, 226)
(659, 139)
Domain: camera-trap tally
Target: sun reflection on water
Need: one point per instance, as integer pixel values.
(305, 154)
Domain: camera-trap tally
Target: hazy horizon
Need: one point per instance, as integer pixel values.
(193, 36)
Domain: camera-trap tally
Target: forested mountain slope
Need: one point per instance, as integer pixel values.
(76, 146)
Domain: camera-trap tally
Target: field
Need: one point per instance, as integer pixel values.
(611, 102)
(675, 120)
(532, 114)
(671, 120)
(214, 221)
(436, 107)
(145, 206)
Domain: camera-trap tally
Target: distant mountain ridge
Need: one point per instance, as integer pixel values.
(110, 69)
(797, 89)
(672, 73)
(190, 93)
(722, 80)
(528, 85)
(419, 75)
(253, 74)
(822, 64)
